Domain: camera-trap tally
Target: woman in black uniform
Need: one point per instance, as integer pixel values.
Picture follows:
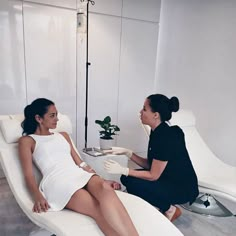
(167, 177)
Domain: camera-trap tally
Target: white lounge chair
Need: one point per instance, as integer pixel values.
(148, 221)
(214, 176)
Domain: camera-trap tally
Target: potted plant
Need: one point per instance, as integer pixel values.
(108, 130)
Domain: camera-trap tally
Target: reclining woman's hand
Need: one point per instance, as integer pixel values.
(41, 204)
(114, 167)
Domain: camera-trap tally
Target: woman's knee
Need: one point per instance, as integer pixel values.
(99, 188)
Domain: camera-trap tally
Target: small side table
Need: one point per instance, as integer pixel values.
(97, 163)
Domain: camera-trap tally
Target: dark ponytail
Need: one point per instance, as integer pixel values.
(37, 107)
(163, 105)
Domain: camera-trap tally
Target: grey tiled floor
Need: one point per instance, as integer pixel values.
(192, 224)
(13, 221)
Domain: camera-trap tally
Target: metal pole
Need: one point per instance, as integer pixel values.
(87, 67)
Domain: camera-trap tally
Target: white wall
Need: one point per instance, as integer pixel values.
(196, 62)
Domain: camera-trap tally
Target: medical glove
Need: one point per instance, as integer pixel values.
(114, 167)
(121, 151)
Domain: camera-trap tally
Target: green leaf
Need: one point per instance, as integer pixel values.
(107, 119)
(99, 122)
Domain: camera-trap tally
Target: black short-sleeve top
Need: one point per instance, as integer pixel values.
(167, 143)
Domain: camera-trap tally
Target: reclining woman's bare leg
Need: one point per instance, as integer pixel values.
(83, 202)
(111, 207)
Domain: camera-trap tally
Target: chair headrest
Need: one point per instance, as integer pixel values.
(11, 126)
(183, 118)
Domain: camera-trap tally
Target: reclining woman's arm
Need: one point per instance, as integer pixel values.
(77, 159)
(26, 147)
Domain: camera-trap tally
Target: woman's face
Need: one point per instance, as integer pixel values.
(49, 120)
(146, 114)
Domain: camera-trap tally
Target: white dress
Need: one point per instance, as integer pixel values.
(61, 176)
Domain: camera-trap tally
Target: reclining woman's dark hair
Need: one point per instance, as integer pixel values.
(37, 107)
(163, 105)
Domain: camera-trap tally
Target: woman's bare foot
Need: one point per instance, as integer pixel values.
(115, 185)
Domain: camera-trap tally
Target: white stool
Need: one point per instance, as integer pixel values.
(97, 164)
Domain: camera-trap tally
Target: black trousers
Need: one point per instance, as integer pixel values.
(159, 193)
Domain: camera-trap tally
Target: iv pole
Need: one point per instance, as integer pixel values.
(87, 67)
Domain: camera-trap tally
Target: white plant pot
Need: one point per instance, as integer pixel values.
(106, 144)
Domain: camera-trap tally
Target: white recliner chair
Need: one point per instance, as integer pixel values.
(215, 178)
(146, 218)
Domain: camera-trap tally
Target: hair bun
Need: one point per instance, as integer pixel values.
(174, 104)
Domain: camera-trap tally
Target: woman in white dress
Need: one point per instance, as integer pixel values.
(67, 181)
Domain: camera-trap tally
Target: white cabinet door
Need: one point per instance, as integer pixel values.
(59, 3)
(12, 80)
(142, 10)
(137, 76)
(104, 50)
(109, 7)
(50, 49)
